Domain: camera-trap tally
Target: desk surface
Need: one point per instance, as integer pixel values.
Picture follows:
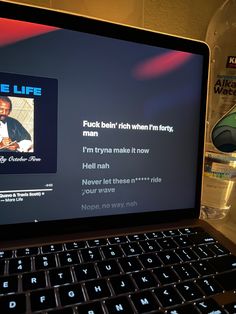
(227, 225)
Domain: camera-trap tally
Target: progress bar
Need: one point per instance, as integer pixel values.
(34, 190)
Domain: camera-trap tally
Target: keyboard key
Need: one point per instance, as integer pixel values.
(186, 231)
(97, 242)
(166, 243)
(122, 284)
(75, 245)
(144, 302)
(168, 296)
(108, 268)
(201, 238)
(91, 255)
(189, 291)
(19, 265)
(227, 280)
(29, 251)
(71, 294)
(112, 251)
(150, 260)
(91, 308)
(85, 271)
(165, 275)
(97, 289)
(150, 246)
(118, 240)
(130, 264)
(51, 248)
(209, 306)
(203, 251)
(154, 235)
(169, 257)
(223, 263)
(198, 230)
(42, 299)
(137, 237)
(60, 276)
(45, 261)
(33, 281)
(183, 241)
(144, 279)
(185, 271)
(119, 305)
(203, 268)
(218, 249)
(8, 284)
(15, 303)
(171, 233)
(209, 286)
(184, 309)
(186, 254)
(131, 249)
(68, 258)
(6, 254)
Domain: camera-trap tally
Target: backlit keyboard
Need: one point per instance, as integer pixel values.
(175, 272)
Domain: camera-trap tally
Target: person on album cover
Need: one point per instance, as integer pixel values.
(13, 136)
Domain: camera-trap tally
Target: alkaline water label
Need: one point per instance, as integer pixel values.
(231, 62)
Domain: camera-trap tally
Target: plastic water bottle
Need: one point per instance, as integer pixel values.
(220, 151)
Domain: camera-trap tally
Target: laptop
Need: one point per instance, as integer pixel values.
(101, 152)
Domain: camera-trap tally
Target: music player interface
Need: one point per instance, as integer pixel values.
(93, 126)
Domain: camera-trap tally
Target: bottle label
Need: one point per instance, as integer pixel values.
(225, 85)
(223, 123)
(231, 62)
(220, 166)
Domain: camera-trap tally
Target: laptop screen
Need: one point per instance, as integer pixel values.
(96, 123)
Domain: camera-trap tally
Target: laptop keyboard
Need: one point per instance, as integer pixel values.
(175, 272)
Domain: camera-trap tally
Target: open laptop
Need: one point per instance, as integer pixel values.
(101, 152)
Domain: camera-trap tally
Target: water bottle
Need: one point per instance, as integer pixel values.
(220, 150)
